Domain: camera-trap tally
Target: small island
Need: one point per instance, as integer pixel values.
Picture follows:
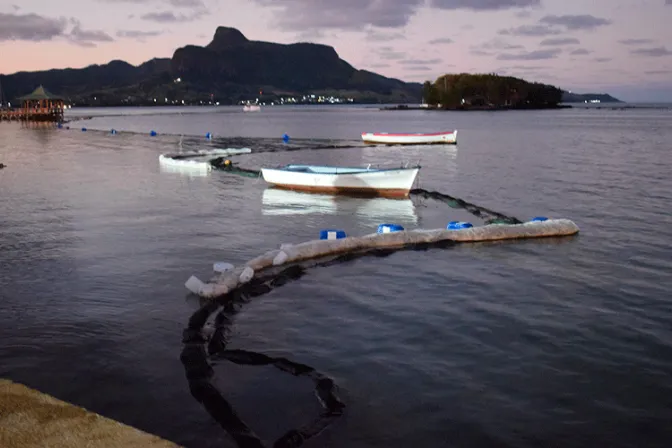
(466, 91)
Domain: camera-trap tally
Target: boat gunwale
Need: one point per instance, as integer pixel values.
(410, 134)
(364, 170)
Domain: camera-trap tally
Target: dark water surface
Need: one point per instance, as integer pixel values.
(561, 342)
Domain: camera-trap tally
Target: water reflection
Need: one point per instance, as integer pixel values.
(410, 152)
(278, 202)
(38, 124)
(41, 132)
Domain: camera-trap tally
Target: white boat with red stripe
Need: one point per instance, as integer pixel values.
(385, 182)
(434, 138)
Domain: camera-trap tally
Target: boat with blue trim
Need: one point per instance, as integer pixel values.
(386, 182)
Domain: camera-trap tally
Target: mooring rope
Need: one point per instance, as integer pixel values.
(199, 371)
(489, 216)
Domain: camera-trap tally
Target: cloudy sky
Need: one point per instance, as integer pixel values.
(623, 47)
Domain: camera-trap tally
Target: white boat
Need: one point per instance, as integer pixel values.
(388, 182)
(251, 108)
(410, 139)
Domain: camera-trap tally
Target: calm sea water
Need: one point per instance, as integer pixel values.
(562, 342)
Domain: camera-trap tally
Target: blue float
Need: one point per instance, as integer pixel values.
(331, 234)
(285, 138)
(152, 133)
(539, 218)
(208, 136)
(113, 131)
(457, 225)
(83, 129)
(60, 125)
(388, 228)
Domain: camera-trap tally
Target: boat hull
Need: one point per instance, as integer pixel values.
(384, 183)
(445, 138)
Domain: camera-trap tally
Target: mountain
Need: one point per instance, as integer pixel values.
(570, 97)
(229, 69)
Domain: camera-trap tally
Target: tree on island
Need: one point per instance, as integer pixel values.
(489, 91)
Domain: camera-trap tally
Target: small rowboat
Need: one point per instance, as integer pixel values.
(410, 139)
(392, 182)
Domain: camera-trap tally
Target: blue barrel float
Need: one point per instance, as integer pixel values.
(152, 133)
(389, 228)
(285, 138)
(539, 219)
(113, 131)
(83, 129)
(457, 225)
(208, 136)
(331, 234)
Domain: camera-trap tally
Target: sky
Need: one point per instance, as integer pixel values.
(622, 47)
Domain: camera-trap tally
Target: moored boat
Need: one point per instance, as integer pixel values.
(387, 182)
(433, 138)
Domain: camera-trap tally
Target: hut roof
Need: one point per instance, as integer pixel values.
(40, 94)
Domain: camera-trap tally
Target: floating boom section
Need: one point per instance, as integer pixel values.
(291, 253)
(192, 160)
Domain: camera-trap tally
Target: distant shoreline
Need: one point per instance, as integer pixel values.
(583, 106)
(79, 113)
(474, 109)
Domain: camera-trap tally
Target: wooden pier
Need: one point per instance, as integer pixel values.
(40, 114)
(41, 105)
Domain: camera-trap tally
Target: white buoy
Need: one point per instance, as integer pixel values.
(222, 266)
(280, 258)
(246, 275)
(194, 285)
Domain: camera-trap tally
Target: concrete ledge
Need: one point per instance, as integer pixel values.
(31, 419)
